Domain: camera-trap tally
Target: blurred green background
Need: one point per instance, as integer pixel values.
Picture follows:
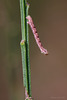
(48, 73)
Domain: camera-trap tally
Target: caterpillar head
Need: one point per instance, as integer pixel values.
(29, 18)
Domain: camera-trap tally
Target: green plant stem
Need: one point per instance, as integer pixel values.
(25, 46)
(28, 57)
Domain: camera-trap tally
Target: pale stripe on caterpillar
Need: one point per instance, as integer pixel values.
(36, 36)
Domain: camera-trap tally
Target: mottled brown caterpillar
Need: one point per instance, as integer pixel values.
(36, 36)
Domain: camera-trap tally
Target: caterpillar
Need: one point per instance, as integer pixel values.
(36, 36)
(27, 96)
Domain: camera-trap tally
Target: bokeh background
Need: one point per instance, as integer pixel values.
(48, 73)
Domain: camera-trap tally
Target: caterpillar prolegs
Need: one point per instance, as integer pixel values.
(36, 36)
